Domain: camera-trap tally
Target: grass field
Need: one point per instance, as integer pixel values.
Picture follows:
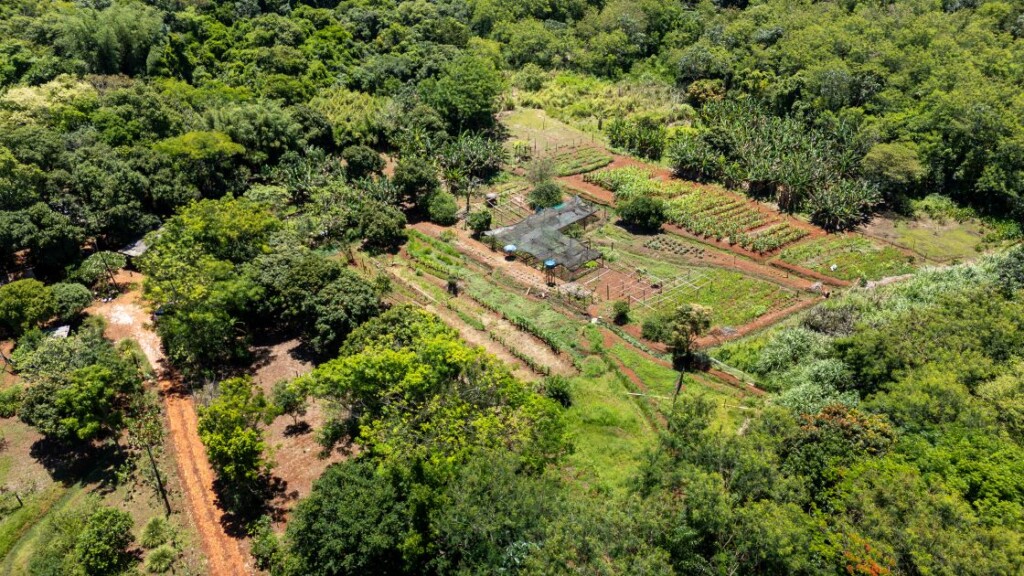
(608, 429)
(661, 380)
(546, 134)
(941, 241)
(852, 257)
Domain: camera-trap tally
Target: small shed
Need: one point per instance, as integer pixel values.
(541, 237)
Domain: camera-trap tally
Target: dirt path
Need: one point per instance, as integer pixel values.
(127, 318)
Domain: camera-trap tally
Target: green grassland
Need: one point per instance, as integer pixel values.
(545, 133)
(609, 431)
(853, 257)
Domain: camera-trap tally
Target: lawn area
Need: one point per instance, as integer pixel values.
(543, 132)
(608, 430)
(853, 257)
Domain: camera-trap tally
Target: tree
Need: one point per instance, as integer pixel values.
(468, 160)
(289, 398)
(361, 162)
(687, 323)
(416, 178)
(114, 40)
(644, 213)
(1010, 270)
(466, 93)
(230, 430)
(893, 166)
(71, 298)
(442, 208)
(341, 307)
(79, 406)
(205, 160)
(101, 267)
(353, 521)
(545, 195)
(382, 226)
(25, 304)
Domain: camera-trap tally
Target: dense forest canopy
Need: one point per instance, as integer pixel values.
(117, 113)
(245, 140)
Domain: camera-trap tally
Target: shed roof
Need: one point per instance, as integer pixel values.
(540, 234)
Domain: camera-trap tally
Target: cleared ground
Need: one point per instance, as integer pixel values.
(936, 241)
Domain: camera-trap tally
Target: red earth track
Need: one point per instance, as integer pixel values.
(127, 318)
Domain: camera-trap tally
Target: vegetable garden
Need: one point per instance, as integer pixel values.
(580, 160)
(706, 211)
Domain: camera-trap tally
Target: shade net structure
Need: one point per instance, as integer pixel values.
(541, 237)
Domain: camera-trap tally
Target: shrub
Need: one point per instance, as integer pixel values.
(442, 208)
(656, 328)
(71, 299)
(644, 136)
(382, 226)
(10, 401)
(545, 195)
(361, 161)
(831, 320)
(266, 548)
(416, 178)
(156, 532)
(593, 367)
(530, 77)
(161, 560)
(480, 221)
(558, 389)
(522, 151)
(643, 213)
(25, 304)
(620, 312)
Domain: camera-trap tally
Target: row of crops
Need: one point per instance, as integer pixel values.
(702, 210)
(580, 160)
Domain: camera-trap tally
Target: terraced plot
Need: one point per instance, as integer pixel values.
(849, 258)
(580, 160)
(706, 211)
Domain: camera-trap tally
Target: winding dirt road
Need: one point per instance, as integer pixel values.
(127, 318)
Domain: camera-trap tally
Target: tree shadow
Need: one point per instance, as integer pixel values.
(299, 428)
(241, 511)
(88, 463)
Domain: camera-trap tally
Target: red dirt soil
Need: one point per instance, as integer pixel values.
(127, 318)
(295, 452)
